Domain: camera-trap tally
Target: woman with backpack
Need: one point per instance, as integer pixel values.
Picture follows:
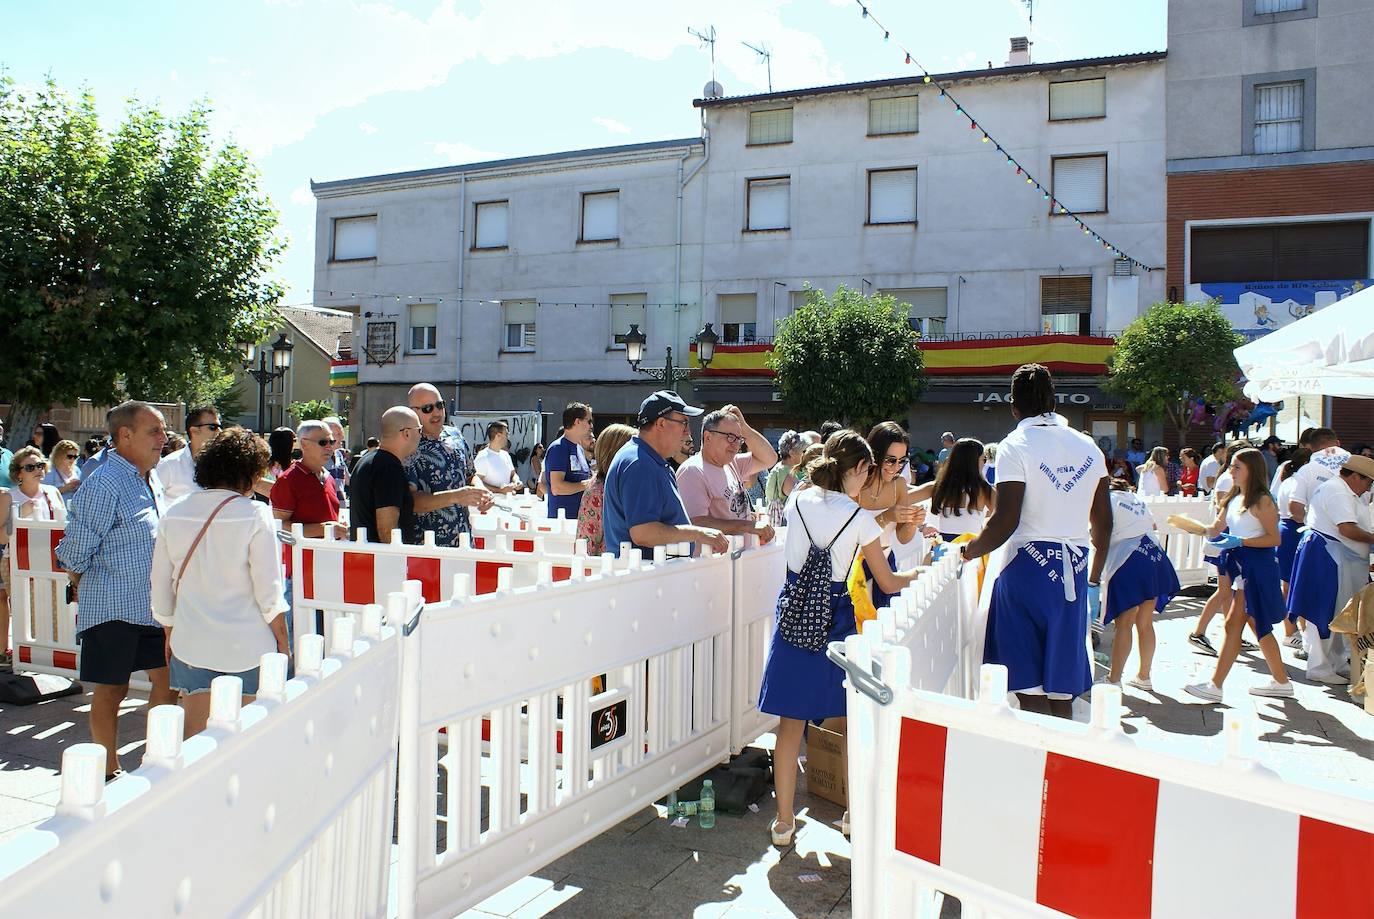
(826, 530)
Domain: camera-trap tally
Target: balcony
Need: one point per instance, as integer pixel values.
(953, 354)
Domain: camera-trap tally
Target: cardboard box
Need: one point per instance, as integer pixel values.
(827, 762)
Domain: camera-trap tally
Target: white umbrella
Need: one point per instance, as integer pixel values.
(1329, 353)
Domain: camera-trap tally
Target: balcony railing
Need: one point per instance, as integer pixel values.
(994, 336)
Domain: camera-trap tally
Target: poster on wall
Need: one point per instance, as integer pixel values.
(524, 434)
(1257, 308)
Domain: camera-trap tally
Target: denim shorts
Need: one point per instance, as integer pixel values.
(192, 680)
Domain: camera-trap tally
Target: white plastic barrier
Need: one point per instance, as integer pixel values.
(1184, 549)
(42, 622)
(1025, 815)
(522, 526)
(523, 659)
(282, 808)
(758, 576)
(941, 632)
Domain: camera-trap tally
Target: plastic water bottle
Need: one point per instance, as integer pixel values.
(706, 808)
(672, 803)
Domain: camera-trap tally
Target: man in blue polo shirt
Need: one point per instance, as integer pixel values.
(566, 470)
(642, 505)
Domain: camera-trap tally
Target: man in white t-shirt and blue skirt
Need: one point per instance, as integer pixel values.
(1052, 497)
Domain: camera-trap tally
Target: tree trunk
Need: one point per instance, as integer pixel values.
(19, 425)
(1178, 414)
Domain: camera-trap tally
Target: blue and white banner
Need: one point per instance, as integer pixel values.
(1257, 308)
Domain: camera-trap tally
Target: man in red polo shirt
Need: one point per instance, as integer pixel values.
(305, 493)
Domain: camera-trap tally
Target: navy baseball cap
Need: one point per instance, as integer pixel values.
(660, 404)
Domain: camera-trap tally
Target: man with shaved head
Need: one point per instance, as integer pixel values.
(380, 497)
(441, 470)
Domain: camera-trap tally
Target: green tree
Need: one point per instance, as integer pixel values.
(1173, 353)
(130, 262)
(848, 357)
(310, 410)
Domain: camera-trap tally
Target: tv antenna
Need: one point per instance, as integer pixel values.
(707, 38)
(763, 52)
(1030, 13)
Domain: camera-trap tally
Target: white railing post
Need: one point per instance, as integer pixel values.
(409, 820)
(166, 724)
(83, 782)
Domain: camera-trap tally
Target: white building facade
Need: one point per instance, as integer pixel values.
(880, 186)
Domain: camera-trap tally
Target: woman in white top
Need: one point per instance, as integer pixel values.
(1154, 475)
(960, 497)
(1249, 518)
(1290, 523)
(33, 499)
(888, 495)
(800, 685)
(62, 472)
(216, 581)
(1221, 598)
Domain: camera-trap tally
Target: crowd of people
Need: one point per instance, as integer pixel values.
(174, 556)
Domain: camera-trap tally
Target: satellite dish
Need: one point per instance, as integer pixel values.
(713, 90)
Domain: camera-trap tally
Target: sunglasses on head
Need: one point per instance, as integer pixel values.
(428, 407)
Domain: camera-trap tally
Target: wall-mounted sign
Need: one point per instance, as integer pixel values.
(990, 396)
(1257, 308)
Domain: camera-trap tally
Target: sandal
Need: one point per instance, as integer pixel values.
(781, 839)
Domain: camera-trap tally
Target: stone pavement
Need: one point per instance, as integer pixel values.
(645, 867)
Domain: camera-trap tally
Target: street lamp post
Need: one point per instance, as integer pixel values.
(635, 341)
(281, 362)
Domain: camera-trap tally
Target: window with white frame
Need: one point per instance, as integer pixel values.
(1278, 117)
(492, 227)
(771, 126)
(355, 238)
(1278, 6)
(1080, 183)
(1072, 99)
(738, 315)
(424, 327)
(600, 216)
(517, 320)
(769, 204)
(892, 195)
(627, 310)
(894, 115)
(926, 308)
(796, 299)
(1066, 305)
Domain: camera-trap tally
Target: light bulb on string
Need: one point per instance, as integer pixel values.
(886, 35)
(985, 138)
(927, 80)
(865, 9)
(908, 59)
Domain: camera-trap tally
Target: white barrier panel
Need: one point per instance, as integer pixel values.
(928, 618)
(282, 808)
(42, 622)
(1026, 815)
(559, 536)
(1183, 549)
(523, 659)
(759, 572)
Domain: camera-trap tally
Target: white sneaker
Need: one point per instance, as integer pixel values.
(1273, 688)
(782, 833)
(1206, 691)
(1139, 683)
(1294, 640)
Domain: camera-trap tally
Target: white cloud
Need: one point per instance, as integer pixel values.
(264, 116)
(459, 152)
(367, 128)
(610, 124)
(302, 195)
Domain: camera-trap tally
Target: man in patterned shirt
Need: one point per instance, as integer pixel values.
(440, 472)
(107, 551)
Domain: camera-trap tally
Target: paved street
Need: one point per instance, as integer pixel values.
(646, 867)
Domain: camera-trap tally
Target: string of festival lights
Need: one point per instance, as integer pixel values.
(1056, 206)
(351, 298)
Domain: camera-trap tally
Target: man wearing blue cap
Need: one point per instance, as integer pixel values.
(642, 504)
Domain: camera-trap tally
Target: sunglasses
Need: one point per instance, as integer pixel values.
(33, 467)
(898, 461)
(428, 407)
(70, 456)
(209, 424)
(329, 442)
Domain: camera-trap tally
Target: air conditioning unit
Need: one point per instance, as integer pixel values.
(777, 396)
(1121, 268)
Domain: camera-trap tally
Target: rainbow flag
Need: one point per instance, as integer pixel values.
(343, 372)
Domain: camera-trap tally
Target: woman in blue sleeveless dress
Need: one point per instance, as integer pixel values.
(801, 685)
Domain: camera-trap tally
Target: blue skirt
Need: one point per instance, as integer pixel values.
(1146, 575)
(1288, 547)
(1315, 584)
(1222, 562)
(1259, 573)
(1040, 637)
(880, 599)
(802, 684)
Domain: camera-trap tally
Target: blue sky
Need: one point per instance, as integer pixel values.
(326, 89)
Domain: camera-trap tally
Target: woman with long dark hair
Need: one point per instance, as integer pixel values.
(960, 496)
(886, 494)
(1250, 520)
(45, 437)
(1191, 472)
(800, 685)
(1291, 519)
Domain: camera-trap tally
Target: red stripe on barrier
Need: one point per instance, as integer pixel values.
(486, 578)
(522, 545)
(1091, 865)
(920, 789)
(562, 574)
(64, 659)
(54, 538)
(486, 735)
(307, 573)
(426, 571)
(21, 548)
(359, 578)
(479, 542)
(1333, 864)
(25, 654)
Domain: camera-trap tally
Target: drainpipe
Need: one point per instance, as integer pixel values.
(462, 257)
(681, 187)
